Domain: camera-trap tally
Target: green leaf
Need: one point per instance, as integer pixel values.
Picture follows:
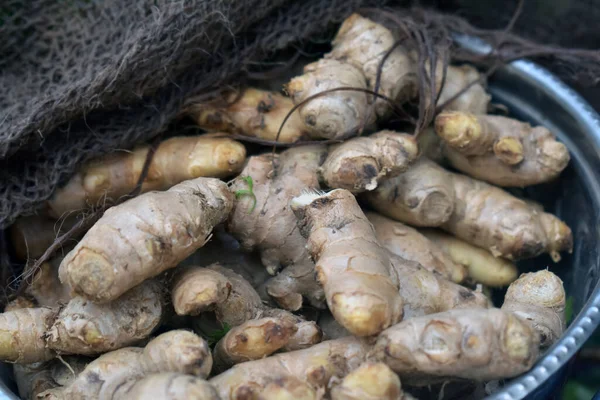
(569, 309)
(247, 192)
(213, 337)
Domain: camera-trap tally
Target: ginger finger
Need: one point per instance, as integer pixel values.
(359, 164)
(539, 297)
(198, 289)
(360, 283)
(500, 150)
(410, 244)
(143, 237)
(315, 366)
(269, 225)
(475, 100)
(252, 340)
(253, 112)
(85, 328)
(176, 160)
(480, 345)
(370, 381)
(336, 115)
(22, 335)
(288, 388)
(471, 210)
(481, 265)
(166, 386)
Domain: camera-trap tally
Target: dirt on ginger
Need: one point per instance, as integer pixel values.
(471, 344)
(264, 221)
(176, 160)
(253, 112)
(359, 164)
(143, 237)
(488, 217)
(500, 150)
(539, 297)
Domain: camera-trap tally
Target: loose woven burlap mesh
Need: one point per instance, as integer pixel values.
(82, 78)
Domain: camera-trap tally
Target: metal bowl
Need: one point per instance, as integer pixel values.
(533, 94)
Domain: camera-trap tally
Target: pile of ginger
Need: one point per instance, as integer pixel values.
(354, 269)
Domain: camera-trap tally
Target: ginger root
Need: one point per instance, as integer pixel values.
(315, 366)
(500, 150)
(474, 344)
(166, 386)
(33, 379)
(539, 297)
(269, 226)
(359, 164)
(32, 235)
(357, 275)
(288, 388)
(175, 351)
(176, 160)
(143, 237)
(46, 288)
(22, 335)
(408, 243)
(481, 265)
(253, 112)
(370, 381)
(478, 213)
(474, 100)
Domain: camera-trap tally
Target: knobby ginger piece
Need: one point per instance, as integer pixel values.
(359, 164)
(175, 351)
(269, 225)
(474, 344)
(335, 115)
(176, 160)
(364, 43)
(166, 386)
(22, 335)
(500, 150)
(360, 283)
(143, 237)
(370, 381)
(288, 388)
(253, 112)
(474, 100)
(474, 211)
(539, 297)
(408, 243)
(481, 265)
(315, 366)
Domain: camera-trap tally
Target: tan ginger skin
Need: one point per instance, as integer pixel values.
(471, 344)
(22, 333)
(408, 243)
(315, 366)
(271, 227)
(197, 290)
(160, 230)
(481, 265)
(288, 388)
(166, 386)
(474, 100)
(253, 112)
(360, 283)
(359, 164)
(176, 160)
(539, 297)
(370, 381)
(500, 150)
(488, 217)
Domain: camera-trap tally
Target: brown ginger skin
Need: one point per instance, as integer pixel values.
(479, 345)
(481, 265)
(408, 243)
(474, 211)
(46, 288)
(253, 112)
(271, 227)
(32, 235)
(143, 237)
(175, 351)
(539, 297)
(166, 386)
(359, 164)
(315, 366)
(500, 150)
(370, 381)
(336, 115)
(360, 283)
